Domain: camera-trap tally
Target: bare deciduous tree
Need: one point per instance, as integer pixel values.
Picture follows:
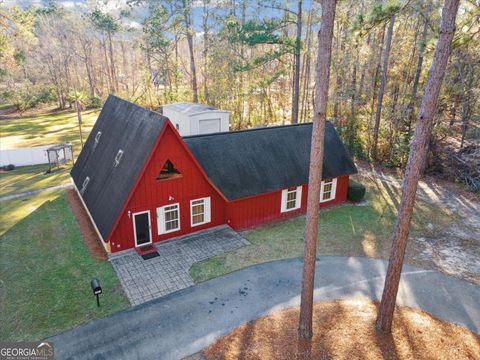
(381, 92)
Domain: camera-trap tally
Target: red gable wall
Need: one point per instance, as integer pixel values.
(151, 193)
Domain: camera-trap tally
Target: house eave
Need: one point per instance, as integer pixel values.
(105, 244)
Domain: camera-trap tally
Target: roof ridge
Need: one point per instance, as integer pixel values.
(248, 130)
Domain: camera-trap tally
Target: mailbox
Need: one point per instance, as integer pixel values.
(96, 288)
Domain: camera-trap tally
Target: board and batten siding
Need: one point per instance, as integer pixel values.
(258, 209)
(151, 193)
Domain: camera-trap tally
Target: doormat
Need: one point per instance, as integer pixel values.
(142, 250)
(150, 255)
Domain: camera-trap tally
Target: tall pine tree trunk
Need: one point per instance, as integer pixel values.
(418, 72)
(79, 117)
(296, 75)
(205, 50)
(415, 163)
(383, 84)
(306, 70)
(112, 63)
(324, 55)
(187, 12)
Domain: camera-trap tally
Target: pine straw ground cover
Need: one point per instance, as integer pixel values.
(344, 329)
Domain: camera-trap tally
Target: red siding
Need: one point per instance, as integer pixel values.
(262, 208)
(151, 193)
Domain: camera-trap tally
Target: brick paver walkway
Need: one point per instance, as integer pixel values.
(144, 280)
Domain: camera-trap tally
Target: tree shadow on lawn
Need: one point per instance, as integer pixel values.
(345, 329)
(344, 230)
(46, 128)
(46, 270)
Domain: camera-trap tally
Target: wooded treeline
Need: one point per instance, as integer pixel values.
(257, 60)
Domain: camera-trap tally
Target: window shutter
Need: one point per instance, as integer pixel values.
(298, 199)
(161, 220)
(334, 188)
(283, 205)
(207, 215)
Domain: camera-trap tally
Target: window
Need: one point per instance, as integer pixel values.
(327, 190)
(168, 171)
(97, 139)
(168, 218)
(200, 211)
(118, 157)
(177, 127)
(291, 199)
(84, 185)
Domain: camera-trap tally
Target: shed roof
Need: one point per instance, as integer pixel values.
(251, 162)
(122, 126)
(192, 108)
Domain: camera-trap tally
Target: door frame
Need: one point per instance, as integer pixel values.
(135, 227)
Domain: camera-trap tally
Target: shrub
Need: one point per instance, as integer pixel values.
(94, 102)
(29, 96)
(356, 191)
(9, 167)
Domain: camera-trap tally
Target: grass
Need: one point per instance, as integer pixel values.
(27, 178)
(45, 273)
(45, 129)
(346, 230)
(13, 211)
(5, 106)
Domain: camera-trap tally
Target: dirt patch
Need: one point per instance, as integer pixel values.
(90, 236)
(453, 249)
(344, 329)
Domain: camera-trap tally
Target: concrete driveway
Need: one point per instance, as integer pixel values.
(185, 322)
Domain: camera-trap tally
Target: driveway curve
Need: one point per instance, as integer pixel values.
(185, 322)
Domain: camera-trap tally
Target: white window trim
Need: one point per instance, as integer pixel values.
(135, 227)
(206, 211)
(161, 219)
(333, 193)
(298, 200)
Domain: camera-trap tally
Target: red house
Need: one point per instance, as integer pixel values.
(141, 182)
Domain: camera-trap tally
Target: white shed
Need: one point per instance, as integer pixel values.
(196, 119)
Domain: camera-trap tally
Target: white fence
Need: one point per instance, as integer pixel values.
(24, 156)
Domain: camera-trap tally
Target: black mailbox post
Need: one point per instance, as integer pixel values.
(96, 288)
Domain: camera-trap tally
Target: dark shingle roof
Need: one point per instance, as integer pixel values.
(250, 162)
(123, 126)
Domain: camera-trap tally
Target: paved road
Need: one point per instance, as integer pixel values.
(184, 322)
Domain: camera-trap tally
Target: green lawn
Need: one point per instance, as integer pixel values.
(27, 178)
(45, 273)
(5, 106)
(12, 211)
(46, 128)
(346, 230)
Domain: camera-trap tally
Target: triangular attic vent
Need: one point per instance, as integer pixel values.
(168, 171)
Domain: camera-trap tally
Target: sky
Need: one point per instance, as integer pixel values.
(114, 7)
